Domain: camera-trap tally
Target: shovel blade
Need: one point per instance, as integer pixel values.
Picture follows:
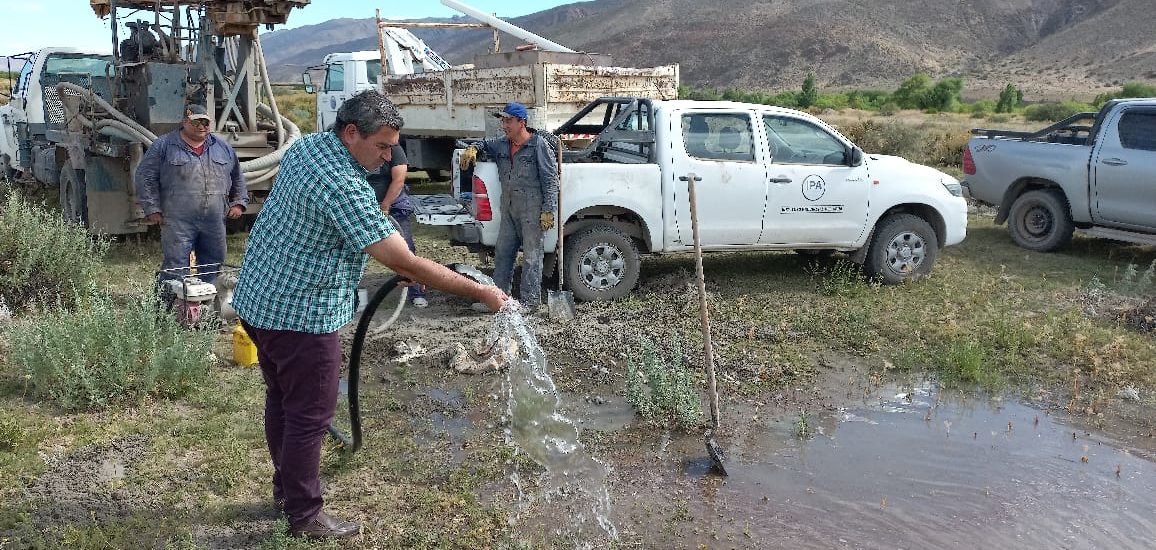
(715, 451)
(561, 304)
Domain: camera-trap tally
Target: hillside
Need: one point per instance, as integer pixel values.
(1051, 48)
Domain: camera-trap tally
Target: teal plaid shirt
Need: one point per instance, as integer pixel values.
(305, 254)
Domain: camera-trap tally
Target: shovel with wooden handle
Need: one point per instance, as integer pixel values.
(560, 302)
(713, 449)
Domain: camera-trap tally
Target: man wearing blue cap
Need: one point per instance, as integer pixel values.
(529, 175)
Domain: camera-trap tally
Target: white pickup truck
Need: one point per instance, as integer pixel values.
(772, 179)
(1092, 173)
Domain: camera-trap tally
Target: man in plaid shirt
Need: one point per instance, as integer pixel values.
(306, 253)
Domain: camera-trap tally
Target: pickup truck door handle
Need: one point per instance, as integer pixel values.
(781, 180)
(1115, 162)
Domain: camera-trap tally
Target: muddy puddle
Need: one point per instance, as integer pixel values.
(912, 469)
(903, 468)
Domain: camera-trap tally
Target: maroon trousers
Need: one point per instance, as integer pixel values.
(301, 373)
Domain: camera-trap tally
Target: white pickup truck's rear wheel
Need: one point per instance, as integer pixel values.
(903, 248)
(602, 263)
(1039, 221)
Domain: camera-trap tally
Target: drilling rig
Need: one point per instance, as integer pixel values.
(81, 121)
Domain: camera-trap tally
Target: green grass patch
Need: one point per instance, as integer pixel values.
(108, 354)
(43, 259)
(661, 390)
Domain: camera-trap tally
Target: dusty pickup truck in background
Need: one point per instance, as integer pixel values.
(1093, 172)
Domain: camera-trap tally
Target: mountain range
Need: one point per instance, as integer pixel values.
(1049, 48)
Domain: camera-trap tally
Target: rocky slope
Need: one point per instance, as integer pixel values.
(1052, 48)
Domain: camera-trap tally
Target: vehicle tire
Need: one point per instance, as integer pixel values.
(73, 196)
(903, 248)
(601, 263)
(1039, 220)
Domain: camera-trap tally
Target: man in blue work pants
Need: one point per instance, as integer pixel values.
(188, 182)
(528, 172)
(391, 191)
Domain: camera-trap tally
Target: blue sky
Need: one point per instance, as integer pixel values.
(33, 24)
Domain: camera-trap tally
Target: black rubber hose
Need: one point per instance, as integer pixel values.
(352, 442)
(348, 443)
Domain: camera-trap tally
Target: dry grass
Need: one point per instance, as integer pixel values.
(299, 107)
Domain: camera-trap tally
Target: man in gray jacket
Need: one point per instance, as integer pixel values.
(189, 182)
(528, 172)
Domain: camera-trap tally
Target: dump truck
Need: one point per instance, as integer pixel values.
(442, 103)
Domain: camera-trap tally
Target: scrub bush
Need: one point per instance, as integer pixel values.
(12, 434)
(107, 353)
(299, 107)
(43, 258)
(1051, 112)
(890, 138)
(662, 391)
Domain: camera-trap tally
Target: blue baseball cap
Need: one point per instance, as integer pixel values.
(513, 109)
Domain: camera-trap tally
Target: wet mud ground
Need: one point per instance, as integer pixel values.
(874, 462)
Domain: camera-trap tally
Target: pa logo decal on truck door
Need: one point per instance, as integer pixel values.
(814, 187)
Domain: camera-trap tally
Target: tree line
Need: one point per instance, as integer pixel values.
(920, 92)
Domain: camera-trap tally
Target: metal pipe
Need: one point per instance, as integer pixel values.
(115, 40)
(112, 111)
(381, 48)
(267, 85)
(507, 27)
(407, 24)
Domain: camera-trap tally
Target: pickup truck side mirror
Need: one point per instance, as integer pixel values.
(854, 157)
(307, 80)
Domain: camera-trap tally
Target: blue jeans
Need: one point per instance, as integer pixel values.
(404, 221)
(201, 232)
(520, 228)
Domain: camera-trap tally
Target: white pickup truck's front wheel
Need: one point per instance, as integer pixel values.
(903, 248)
(602, 263)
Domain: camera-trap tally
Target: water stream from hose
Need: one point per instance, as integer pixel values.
(535, 427)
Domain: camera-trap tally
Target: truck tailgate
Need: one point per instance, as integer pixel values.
(440, 210)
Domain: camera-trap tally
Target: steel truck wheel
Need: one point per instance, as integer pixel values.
(73, 197)
(903, 248)
(1039, 221)
(601, 263)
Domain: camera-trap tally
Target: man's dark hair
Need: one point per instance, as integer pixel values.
(368, 111)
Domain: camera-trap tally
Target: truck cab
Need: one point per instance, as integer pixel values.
(345, 74)
(35, 104)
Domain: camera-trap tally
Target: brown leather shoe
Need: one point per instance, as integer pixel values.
(325, 526)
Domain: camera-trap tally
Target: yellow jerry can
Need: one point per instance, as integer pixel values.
(244, 351)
